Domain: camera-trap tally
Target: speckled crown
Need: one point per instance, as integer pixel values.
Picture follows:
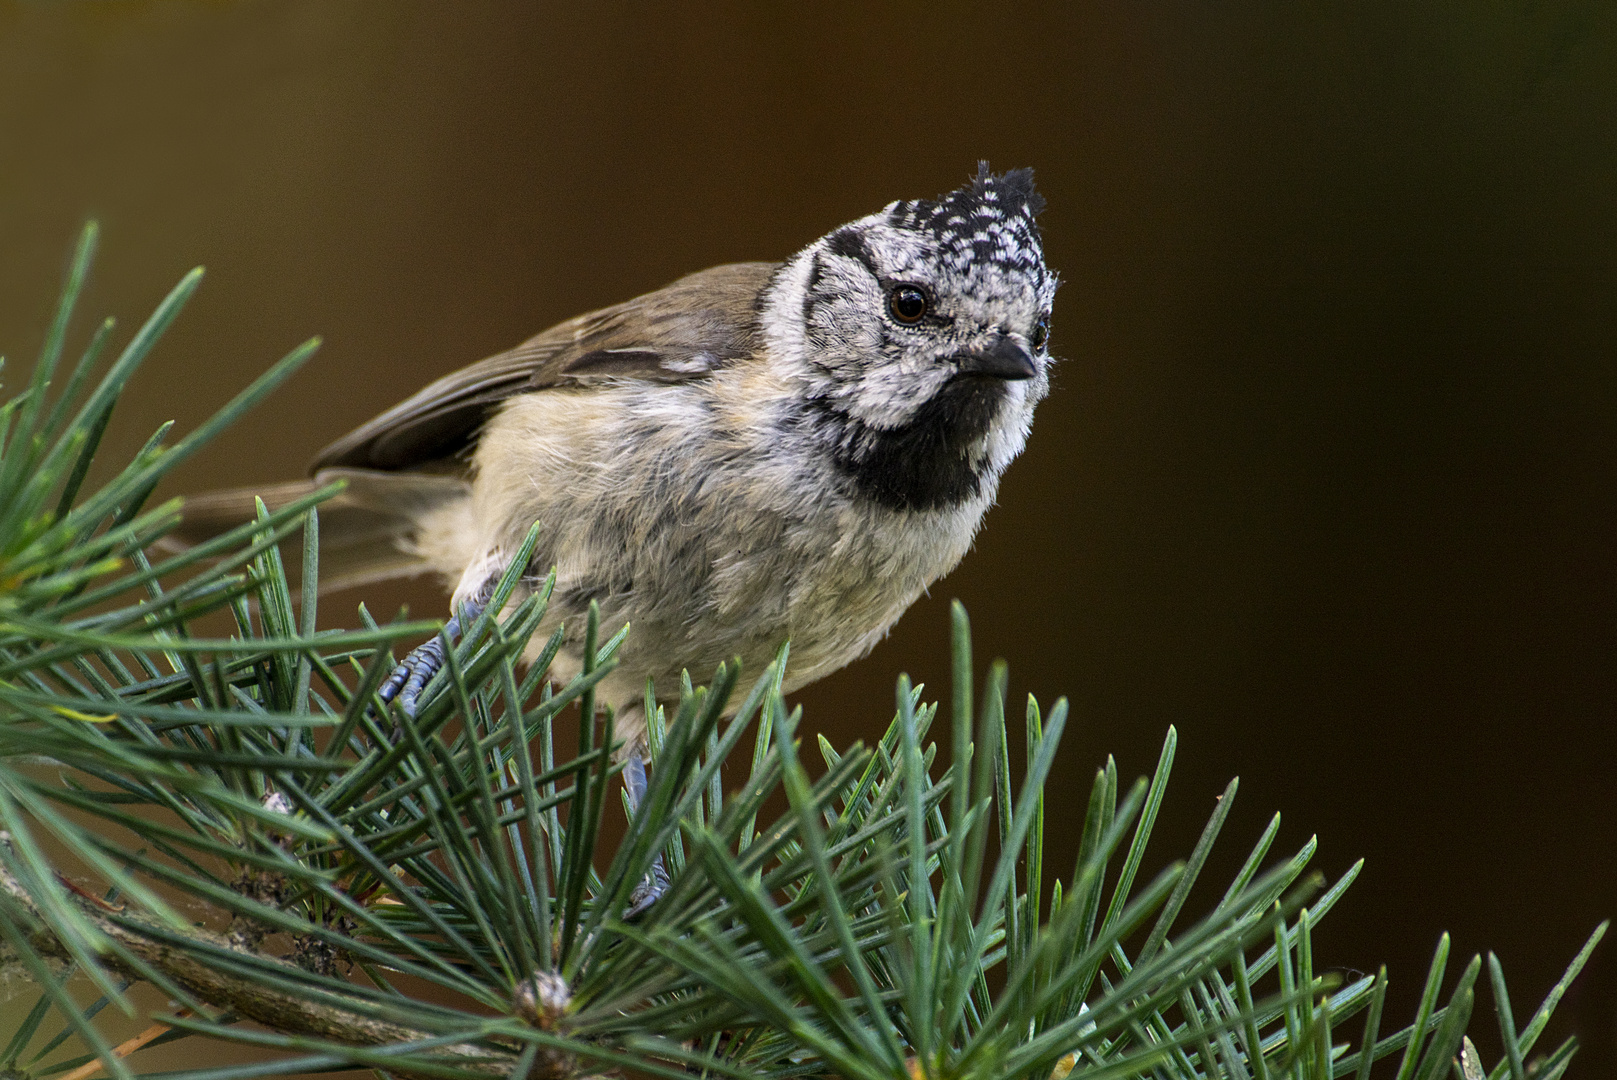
(990, 220)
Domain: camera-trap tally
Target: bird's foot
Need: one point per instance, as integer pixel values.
(655, 883)
(415, 672)
(648, 892)
(411, 677)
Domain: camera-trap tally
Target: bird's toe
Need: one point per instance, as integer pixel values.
(649, 891)
(413, 674)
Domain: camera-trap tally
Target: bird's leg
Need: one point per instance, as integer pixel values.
(418, 668)
(655, 883)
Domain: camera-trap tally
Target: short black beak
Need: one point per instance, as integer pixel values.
(1004, 359)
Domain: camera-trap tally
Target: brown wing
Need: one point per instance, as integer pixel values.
(683, 331)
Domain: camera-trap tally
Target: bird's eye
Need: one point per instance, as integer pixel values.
(907, 303)
(1041, 333)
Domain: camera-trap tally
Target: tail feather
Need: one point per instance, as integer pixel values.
(366, 532)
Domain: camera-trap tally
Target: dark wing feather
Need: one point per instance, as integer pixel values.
(684, 331)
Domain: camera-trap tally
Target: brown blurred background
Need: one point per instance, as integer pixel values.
(1329, 475)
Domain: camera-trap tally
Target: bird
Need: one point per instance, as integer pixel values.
(754, 454)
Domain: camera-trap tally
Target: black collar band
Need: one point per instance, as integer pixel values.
(930, 463)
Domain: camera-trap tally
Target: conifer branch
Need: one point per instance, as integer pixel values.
(337, 884)
(138, 948)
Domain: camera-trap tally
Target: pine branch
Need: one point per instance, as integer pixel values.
(224, 797)
(138, 948)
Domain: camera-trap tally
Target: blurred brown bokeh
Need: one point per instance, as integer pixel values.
(1329, 476)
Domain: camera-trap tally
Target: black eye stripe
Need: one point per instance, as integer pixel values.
(809, 297)
(850, 243)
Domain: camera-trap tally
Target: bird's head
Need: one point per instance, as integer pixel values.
(923, 327)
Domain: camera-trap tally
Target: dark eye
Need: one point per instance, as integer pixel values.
(907, 303)
(1041, 333)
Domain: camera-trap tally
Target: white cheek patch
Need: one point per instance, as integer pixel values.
(1006, 439)
(889, 396)
(842, 325)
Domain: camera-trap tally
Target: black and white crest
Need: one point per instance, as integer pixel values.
(990, 220)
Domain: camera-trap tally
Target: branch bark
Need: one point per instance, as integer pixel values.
(281, 1012)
